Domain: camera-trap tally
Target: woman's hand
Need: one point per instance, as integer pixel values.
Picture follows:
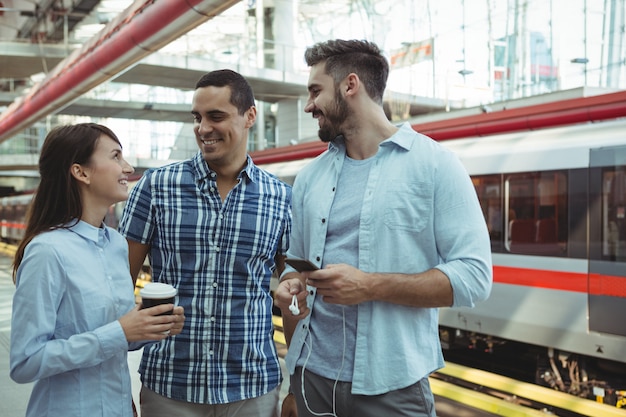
(147, 323)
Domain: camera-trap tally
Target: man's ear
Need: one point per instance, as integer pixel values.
(352, 83)
(250, 117)
(80, 173)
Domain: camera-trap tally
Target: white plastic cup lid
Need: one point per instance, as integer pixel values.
(157, 290)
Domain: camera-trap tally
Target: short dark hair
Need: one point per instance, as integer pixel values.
(359, 56)
(241, 95)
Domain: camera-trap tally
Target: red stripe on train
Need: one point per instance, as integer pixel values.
(13, 225)
(607, 285)
(594, 284)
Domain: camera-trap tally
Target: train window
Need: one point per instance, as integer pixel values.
(535, 213)
(489, 191)
(614, 214)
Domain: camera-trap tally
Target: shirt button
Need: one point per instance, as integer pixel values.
(215, 285)
(217, 249)
(221, 216)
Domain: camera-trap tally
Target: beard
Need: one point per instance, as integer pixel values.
(333, 118)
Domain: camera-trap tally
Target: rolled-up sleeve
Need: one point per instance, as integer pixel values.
(461, 234)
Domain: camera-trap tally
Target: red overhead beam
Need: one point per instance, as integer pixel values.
(571, 111)
(558, 113)
(137, 32)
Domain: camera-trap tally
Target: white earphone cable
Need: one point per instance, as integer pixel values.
(343, 359)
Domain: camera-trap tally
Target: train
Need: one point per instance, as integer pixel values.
(555, 206)
(13, 210)
(554, 201)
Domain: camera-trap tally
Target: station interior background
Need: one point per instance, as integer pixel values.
(446, 56)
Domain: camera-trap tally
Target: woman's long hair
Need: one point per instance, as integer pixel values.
(57, 200)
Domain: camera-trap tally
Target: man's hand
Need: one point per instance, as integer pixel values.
(292, 284)
(289, 408)
(340, 284)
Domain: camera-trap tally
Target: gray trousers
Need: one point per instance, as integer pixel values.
(322, 398)
(155, 405)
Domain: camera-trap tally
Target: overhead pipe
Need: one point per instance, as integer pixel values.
(557, 113)
(140, 30)
(553, 114)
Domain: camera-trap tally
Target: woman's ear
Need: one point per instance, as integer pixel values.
(80, 173)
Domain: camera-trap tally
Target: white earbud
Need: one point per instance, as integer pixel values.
(293, 307)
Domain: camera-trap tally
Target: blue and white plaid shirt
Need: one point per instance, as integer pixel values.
(220, 257)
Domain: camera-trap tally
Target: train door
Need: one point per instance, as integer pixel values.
(607, 240)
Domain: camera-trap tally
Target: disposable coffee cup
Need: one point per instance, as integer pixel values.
(155, 293)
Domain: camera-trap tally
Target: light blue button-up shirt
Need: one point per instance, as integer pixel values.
(72, 287)
(420, 211)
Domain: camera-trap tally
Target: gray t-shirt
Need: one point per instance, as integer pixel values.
(333, 326)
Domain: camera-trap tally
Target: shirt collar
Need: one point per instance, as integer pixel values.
(251, 170)
(98, 235)
(402, 138)
(203, 170)
(200, 166)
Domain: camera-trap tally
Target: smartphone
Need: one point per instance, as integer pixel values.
(301, 264)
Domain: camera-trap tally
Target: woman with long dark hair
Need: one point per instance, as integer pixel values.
(74, 314)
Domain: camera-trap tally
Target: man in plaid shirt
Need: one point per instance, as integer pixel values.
(215, 227)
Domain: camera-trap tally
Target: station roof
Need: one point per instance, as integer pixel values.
(269, 85)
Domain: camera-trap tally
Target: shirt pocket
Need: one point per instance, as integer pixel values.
(408, 205)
